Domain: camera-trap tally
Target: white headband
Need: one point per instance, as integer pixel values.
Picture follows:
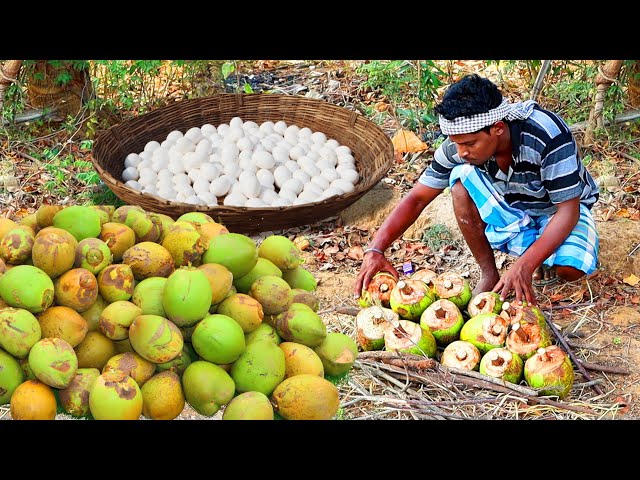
(473, 123)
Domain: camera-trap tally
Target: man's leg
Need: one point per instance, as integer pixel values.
(473, 230)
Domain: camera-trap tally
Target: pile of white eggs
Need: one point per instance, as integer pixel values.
(249, 165)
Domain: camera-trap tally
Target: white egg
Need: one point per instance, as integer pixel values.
(236, 122)
(176, 166)
(151, 189)
(244, 144)
(250, 187)
(130, 173)
(313, 156)
(160, 153)
(164, 184)
(235, 200)
(280, 175)
(328, 153)
(264, 160)
(322, 182)
(209, 171)
(245, 155)
(255, 202)
(223, 128)
(184, 145)
(208, 198)
(145, 155)
(350, 176)
(204, 145)
(345, 167)
(343, 185)
(331, 191)
(247, 164)
(280, 127)
(235, 133)
(343, 150)
(215, 139)
(194, 200)
(174, 135)
(330, 174)
(267, 144)
(301, 175)
(144, 164)
(305, 132)
(250, 125)
(309, 168)
(268, 195)
(201, 186)
(165, 174)
(294, 185)
(167, 144)
(193, 174)
(229, 149)
(181, 179)
(296, 152)
(132, 160)
(220, 186)
(147, 172)
(267, 127)
(185, 190)
(235, 188)
(313, 188)
(307, 197)
(346, 159)
(232, 169)
(168, 193)
(151, 146)
(194, 134)
(265, 177)
(134, 184)
(332, 143)
(287, 194)
(324, 164)
(291, 165)
(281, 202)
(180, 197)
(159, 163)
(319, 138)
(207, 129)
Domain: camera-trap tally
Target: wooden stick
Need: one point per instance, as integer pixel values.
(417, 362)
(485, 378)
(567, 348)
(604, 368)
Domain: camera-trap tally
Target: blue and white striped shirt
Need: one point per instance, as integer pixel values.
(546, 168)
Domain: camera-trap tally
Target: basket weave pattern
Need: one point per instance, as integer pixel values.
(370, 146)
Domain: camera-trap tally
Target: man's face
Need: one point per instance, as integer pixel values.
(476, 148)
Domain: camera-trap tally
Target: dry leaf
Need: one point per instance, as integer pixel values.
(355, 253)
(405, 141)
(631, 280)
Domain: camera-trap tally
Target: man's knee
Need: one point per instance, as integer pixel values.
(570, 274)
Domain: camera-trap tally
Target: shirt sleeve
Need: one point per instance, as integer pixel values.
(560, 169)
(437, 173)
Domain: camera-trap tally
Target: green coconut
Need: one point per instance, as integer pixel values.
(95, 350)
(11, 375)
(378, 292)
(63, 322)
(260, 368)
(115, 396)
(304, 296)
(410, 337)
(132, 364)
(118, 237)
(147, 295)
(207, 387)
(54, 252)
(74, 399)
(525, 339)
(262, 268)
(550, 370)
(17, 244)
(186, 297)
(238, 253)
(19, 331)
(218, 339)
(409, 298)
(302, 325)
(195, 217)
(155, 338)
(93, 254)
(116, 282)
(248, 406)
(300, 277)
(148, 259)
(338, 353)
(27, 287)
(461, 354)
(53, 361)
(179, 364)
(263, 332)
(45, 214)
(371, 323)
(503, 364)
(485, 331)
(306, 397)
(281, 251)
(444, 320)
(220, 280)
(92, 314)
(186, 247)
(273, 293)
(485, 302)
(116, 319)
(244, 309)
(163, 398)
(453, 287)
(299, 359)
(80, 221)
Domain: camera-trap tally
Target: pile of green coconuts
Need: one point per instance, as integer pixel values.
(436, 316)
(121, 313)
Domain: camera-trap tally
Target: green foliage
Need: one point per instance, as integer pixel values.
(437, 236)
(409, 86)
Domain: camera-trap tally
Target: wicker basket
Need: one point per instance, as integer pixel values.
(371, 147)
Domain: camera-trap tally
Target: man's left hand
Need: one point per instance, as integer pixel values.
(518, 280)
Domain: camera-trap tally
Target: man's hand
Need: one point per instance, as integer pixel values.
(372, 263)
(518, 280)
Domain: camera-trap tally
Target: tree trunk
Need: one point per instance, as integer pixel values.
(633, 84)
(9, 71)
(607, 74)
(59, 98)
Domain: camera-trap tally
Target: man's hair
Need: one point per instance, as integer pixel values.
(470, 95)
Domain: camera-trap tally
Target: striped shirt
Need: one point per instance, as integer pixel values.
(546, 167)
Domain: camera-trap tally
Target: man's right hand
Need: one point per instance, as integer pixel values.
(372, 263)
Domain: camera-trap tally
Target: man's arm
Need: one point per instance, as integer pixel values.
(402, 217)
(518, 277)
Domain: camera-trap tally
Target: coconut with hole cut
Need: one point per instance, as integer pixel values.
(503, 364)
(485, 302)
(410, 337)
(425, 275)
(461, 354)
(550, 370)
(410, 298)
(485, 331)
(378, 291)
(444, 320)
(371, 323)
(453, 287)
(526, 338)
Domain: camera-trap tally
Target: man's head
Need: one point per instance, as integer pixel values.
(472, 114)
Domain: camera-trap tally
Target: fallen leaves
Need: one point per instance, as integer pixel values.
(405, 141)
(631, 280)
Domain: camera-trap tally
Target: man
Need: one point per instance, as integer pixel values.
(517, 185)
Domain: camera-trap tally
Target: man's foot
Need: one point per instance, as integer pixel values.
(544, 275)
(486, 284)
